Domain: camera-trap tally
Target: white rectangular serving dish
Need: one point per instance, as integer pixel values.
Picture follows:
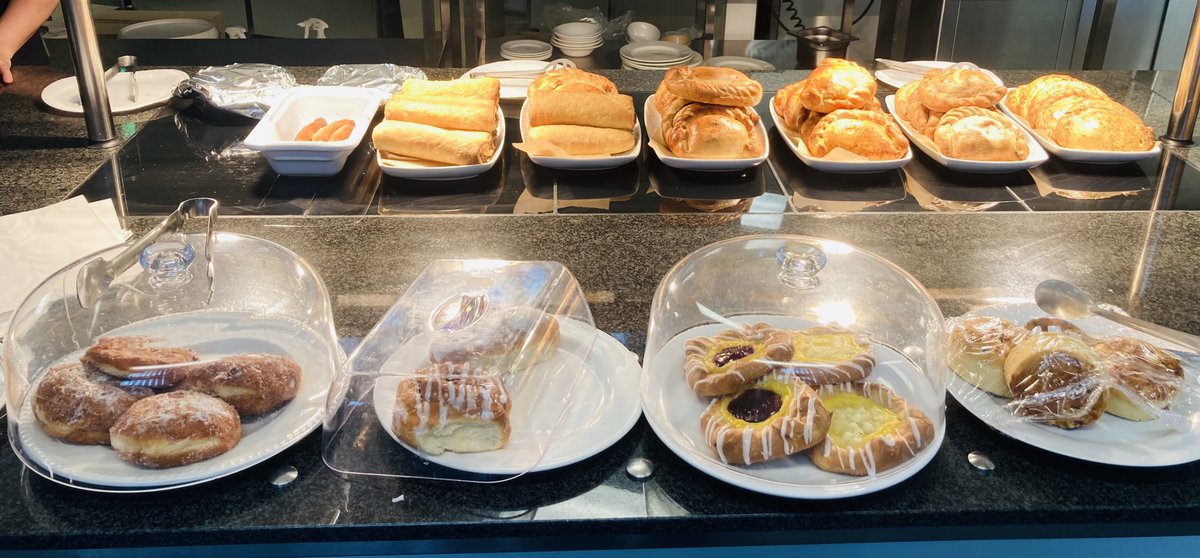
(654, 122)
(897, 78)
(1037, 155)
(415, 169)
(273, 135)
(1082, 155)
(583, 163)
(828, 165)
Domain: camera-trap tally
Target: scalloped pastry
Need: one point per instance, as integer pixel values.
(872, 429)
(724, 363)
(979, 134)
(774, 417)
(863, 132)
(700, 130)
(837, 83)
(959, 87)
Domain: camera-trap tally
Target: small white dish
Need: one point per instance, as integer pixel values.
(414, 169)
(696, 60)
(897, 78)
(512, 88)
(575, 52)
(273, 136)
(656, 52)
(584, 163)
(642, 32)
(155, 87)
(577, 29)
(740, 63)
(1037, 155)
(654, 122)
(525, 47)
(1083, 155)
(827, 165)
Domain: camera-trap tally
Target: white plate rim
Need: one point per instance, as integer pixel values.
(448, 172)
(1081, 155)
(516, 88)
(628, 50)
(887, 75)
(697, 59)
(69, 85)
(1036, 156)
(518, 43)
(653, 122)
(744, 63)
(583, 163)
(845, 167)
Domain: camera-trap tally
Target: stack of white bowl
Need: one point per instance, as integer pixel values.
(578, 38)
(658, 55)
(525, 49)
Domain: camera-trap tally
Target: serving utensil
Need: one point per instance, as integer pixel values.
(551, 65)
(1064, 300)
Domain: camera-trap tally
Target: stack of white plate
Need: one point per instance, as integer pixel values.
(658, 55)
(578, 38)
(525, 49)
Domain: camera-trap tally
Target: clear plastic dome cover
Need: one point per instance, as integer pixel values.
(467, 377)
(796, 366)
(168, 361)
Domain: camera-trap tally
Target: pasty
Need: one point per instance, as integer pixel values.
(1102, 125)
(837, 83)
(571, 79)
(980, 135)
(863, 132)
(712, 85)
(706, 131)
(959, 87)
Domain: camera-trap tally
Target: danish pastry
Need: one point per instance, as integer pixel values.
(872, 429)
(713, 85)
(509, 340)
(572, 79)
(829, 355)
(837, 83)
(1143, 374)
(117, 356)
(979, 346)
(945, 90)
(768, 419)
(1057, 379)
(726, 362)
(174, 429)
(979, 134)
(866, 133)
(253, 383)
(78, 405)
(452, 407)
(706, 131)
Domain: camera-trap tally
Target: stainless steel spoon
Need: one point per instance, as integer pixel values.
(1064, 300)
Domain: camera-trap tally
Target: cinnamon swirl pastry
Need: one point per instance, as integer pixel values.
(1144, 374)
(174, 429)
(452, 407)
(117, 356)
(1057, 379)
(979, 346)
(872, 429)
(829, 355)
(79, 405)
(771, 418)
(726, 362)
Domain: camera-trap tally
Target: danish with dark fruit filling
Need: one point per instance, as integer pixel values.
(771, 418)
(726, 362)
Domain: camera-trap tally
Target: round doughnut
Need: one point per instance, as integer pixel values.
(253, 384)
(776, 416)
(174, 429)
(715, 86)
(77, 405)
(116, 356)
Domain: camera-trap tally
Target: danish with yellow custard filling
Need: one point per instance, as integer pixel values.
(872, 429)
(771, 418)
(725, 362)
(829, 355)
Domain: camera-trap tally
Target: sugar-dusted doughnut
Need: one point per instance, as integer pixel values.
(79, 405)
(253, 383)
(116, 356)
(176, 428)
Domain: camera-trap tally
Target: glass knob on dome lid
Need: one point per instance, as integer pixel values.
(168, 262)
(799, 263)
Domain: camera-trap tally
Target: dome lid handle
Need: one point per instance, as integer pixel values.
(799, 263)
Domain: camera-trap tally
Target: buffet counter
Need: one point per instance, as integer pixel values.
(1142, 261)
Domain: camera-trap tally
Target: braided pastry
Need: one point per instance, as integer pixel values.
(863, 132)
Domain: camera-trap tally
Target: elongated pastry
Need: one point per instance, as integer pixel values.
(585, 140)
(771, 418)
(477, 115)
(600, 110)
(571, 79)
(716, 86)
(419, 141)
(726, 362)
(872, 429)
(1057, 379)
(452, 407)
(487, 88)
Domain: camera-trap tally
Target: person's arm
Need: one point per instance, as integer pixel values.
(17, 24)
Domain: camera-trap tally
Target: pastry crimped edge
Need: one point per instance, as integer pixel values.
(712, 85)
(978, 348)
(828, 134)
(855, 368)
(800, 423)
(940, 94)
(914, 432)
(680, 137)
(769, 344)
(1032, 402)
(950, 147)
(854, 89)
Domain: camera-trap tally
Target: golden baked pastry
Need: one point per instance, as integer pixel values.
(174, 429)
(451, 113)
(430, 143)
(837, 83)
(979, 134)
(571, 79)
(487, 88)
(253, 383)
(942, 91)
(1104, 125)
(806, 127)
(771, 418)
(585, 140)
(863, 132)
(978, 348)
(452, 407)
(600, 110)
(79, 405)
(829, 355)
(1144, 375)
(872, 429)
(117, 356)
(1038, 109)
(705, 131)
(714, 86)
(788, 106)
(1018, 97)
(726, 362)
(1057, 379)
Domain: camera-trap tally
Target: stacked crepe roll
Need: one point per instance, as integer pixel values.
(707, 113)
(449, 122)
(581, 113)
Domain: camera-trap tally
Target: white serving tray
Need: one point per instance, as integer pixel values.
(1037, 155)
(654, 122)
(1082, 155)
(584, 163)
(415, 169)
(832, 165)
(272, 136)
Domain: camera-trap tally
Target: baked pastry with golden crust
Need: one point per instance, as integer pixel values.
(1038, 109)
(979, 346)
(1144, 375)
(452, 407)
(837, 83)
(863, 132)
(724, 363)
(872, 429)
(572, 79)
(79, 405)
(704, 131)
(829, 355)
(174, 429)
(117, 356)
(714, 86)
(253, 383)
(951, 88)
(979, 134)
(1102, 125)
(1018, 97)
(771, 418)
(788, 106)
(1057, 379)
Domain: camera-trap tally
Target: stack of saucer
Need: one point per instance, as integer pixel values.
(657, 55)
(577, 38)
(525, 49)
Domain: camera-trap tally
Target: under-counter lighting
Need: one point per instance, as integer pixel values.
(839, 312)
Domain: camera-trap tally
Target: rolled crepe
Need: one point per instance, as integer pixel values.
(584, 140)
(601, 110)
(419, 141)
(486, 88)
(452, 113)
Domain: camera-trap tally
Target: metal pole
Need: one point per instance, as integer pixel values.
(89, 72)
(1183, 111)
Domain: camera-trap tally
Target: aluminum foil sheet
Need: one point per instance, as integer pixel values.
(245, 89)
(386, 78)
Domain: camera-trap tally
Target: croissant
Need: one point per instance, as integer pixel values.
(700, 130)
